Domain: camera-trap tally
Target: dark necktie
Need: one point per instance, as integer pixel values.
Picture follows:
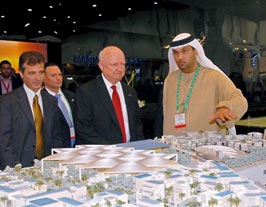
(118, 111)
(39, 150)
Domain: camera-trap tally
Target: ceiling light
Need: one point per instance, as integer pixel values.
(74, 30)
(60, 4)
(155, 2)
(44, 17)
(5, 31)
(74, 22)
(94, 5)
(39, 31)
(30, 10)
(51, 7)
(99, 15)
(27, 24)
(129, 9)
(3, 16)
(68, 17)
(55, 32)
(54, 20)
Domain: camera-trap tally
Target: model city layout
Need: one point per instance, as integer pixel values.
(196, 169)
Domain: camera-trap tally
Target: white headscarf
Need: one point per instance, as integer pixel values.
(183, 40)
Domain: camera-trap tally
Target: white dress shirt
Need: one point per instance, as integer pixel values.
(122, 100)
(30, 94)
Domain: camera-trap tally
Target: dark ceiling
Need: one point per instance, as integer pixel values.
(63, 18)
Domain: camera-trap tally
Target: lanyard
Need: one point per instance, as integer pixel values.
(8, 85)
(190, 89)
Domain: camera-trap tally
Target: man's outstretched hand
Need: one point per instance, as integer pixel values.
(224, 114)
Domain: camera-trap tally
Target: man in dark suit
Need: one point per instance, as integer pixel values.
(8, 81)
(29, 117)
(53, 81)
(99, 117)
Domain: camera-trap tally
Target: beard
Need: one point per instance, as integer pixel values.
(6, 75)
(182, 65)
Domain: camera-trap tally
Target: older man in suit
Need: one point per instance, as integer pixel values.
(29, 117)
(53, 82)
(107, 110)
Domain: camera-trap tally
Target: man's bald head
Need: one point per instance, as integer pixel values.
(110, 50)
(112, 63)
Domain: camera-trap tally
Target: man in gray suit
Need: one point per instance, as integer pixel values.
(107, 110)
(28, 117)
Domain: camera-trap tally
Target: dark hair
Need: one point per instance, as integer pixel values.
(5, 62)
(50, 64)
(30, 58)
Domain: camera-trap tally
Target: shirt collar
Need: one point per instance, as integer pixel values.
(53, 93)
(30, 92)
(109, 84)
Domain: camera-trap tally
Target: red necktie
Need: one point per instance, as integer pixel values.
(118, 111)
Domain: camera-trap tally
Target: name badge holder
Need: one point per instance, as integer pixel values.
(180, 118)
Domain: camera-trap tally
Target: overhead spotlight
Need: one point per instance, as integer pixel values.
(3, 16)
(27, 24)
(51, 7)
(68, 17)
(74, 30)
(155, 3)
(244, 41)
(245, 49)
(55, 32)
(5, 31)
(54, 20)
(30, 10)
(44, 17)
(94, 5)
(99, 15)
(74, 22)
(129, 9)
(39, 31)
(60, 4)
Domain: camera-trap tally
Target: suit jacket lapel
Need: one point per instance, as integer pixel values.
(45, 103)
(129, 104)
(24, 104)
(104, 96)
(69, 99)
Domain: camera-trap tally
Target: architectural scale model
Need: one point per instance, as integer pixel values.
(112, 176)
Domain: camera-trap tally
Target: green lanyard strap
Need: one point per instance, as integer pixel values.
(190, 89)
